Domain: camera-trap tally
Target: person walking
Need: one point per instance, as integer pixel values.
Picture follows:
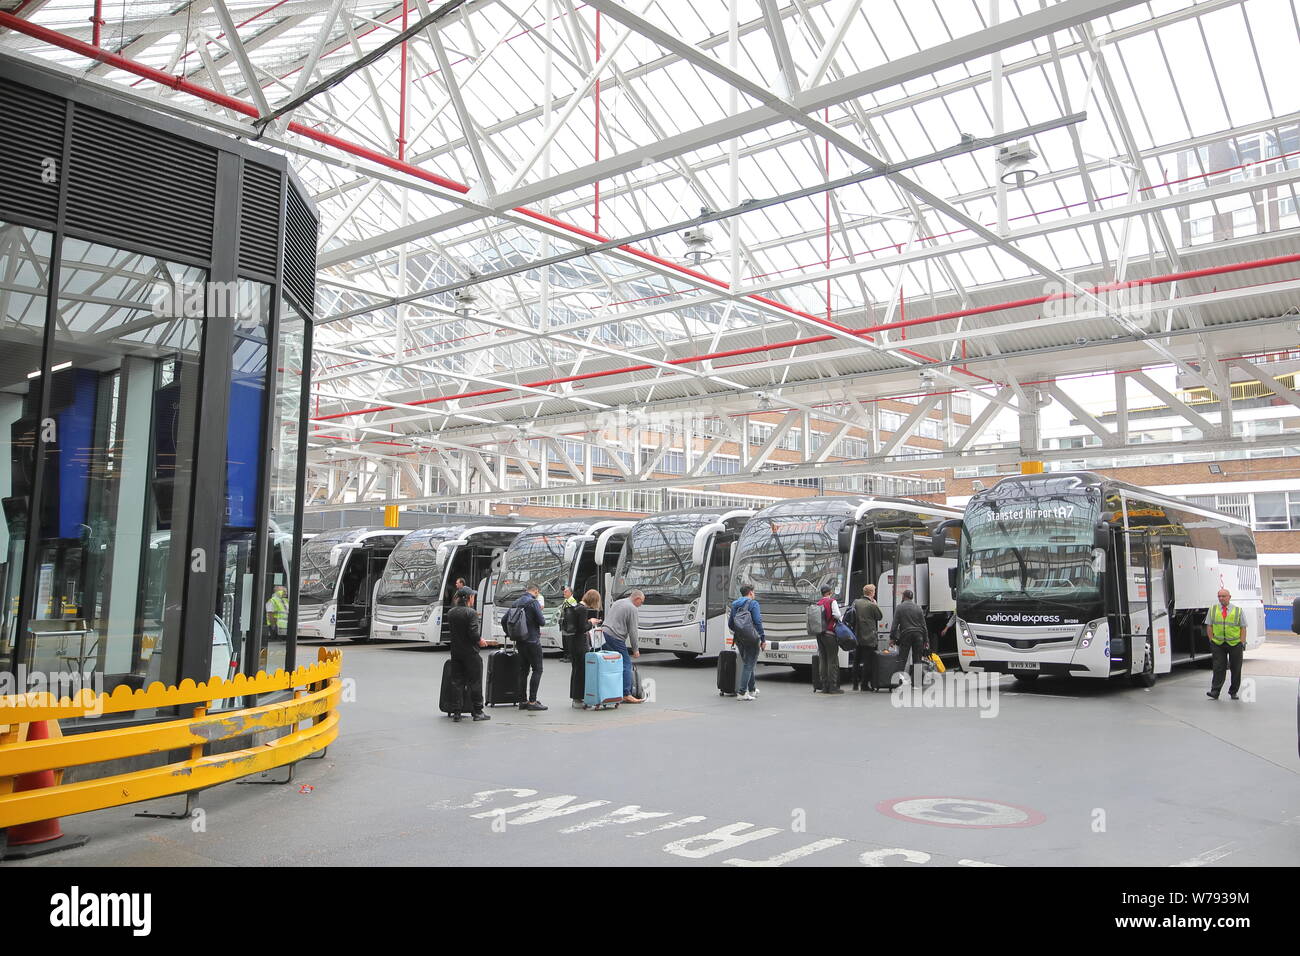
(866, 628)
(568, 625)
(586, 616)
(1225, 626)
(466, 639)
(749, 638)
(827, 647)
(620, 628)
(530, 647)
(909, 632)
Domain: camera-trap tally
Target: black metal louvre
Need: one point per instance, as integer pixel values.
(141, 184)
(300, 228)
(259, 219)
(39, 116)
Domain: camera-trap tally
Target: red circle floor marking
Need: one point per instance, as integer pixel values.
(968, 813)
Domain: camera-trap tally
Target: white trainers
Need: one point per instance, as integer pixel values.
(753, 693)
(750, 695)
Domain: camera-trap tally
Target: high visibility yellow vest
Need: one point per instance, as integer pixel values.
(1225, 630)
(277, 612)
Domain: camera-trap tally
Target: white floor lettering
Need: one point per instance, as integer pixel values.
(723, 838)
(539, 810)
(781, 859)
(619, 817)
(683, 822)
(878, 857)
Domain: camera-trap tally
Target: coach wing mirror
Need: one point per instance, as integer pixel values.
(939, 539)
(845, 537)
(1101, 536)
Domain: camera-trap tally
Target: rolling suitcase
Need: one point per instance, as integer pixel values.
(451, 699)
(637, 690)
(503, 684)
(728, 672)
(603, 681)
(882, 668)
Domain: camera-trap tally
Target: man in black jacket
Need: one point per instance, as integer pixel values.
(530, 646)
(909, 631)
(462, 626)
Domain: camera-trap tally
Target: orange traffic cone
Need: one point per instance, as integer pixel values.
(40, 836)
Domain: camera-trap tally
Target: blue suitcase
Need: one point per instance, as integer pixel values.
(603, 681)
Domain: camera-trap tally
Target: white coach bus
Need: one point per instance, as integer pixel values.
(681, 562)
(1075, 574)
(420, 577)
(337, 580)
(580, 553)
(787, 551)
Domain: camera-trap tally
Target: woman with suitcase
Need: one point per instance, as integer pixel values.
(586, 616)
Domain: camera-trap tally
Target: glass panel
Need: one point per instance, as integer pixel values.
(284, 485)
(24, 284)
(237, 637)
(123, 377)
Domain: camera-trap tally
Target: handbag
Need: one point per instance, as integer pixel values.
(845, 637)
(596, 638)
(938, 664)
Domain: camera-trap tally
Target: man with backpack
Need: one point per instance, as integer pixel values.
(866, 617)
(523, 625)
(828, 649)
(745, 621)
(910, 632)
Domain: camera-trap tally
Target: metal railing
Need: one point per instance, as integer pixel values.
(317, 690)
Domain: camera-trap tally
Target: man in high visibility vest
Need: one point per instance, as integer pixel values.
(277, 613)
(1225, 626)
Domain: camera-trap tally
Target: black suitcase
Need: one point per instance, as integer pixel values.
(882, 667)
(728, 672)
(636, 682)
(503, 683)
(451, 699)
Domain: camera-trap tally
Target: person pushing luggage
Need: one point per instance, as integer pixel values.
(745, 621)
(466, 639)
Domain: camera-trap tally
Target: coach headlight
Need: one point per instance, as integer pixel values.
(966, 637)
(1089, 633)
(693, 610)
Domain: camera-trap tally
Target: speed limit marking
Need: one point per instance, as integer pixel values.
(966, 812)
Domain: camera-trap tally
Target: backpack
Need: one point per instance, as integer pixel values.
(851, 617)
(515, 623)
(569, 619)
(742, 626)
(816, 620)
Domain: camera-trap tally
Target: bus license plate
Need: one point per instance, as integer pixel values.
(1022, 665)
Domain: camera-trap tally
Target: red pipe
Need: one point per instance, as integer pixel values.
(97, 21)
(813, 339)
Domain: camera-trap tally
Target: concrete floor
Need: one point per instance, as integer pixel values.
(1088, 774)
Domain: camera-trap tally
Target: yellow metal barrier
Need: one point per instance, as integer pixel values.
(317, 689)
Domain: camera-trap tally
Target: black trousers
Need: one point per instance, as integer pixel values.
(862, 661)
(577, 663)
(1226, 656)
(530, 659)
(471, 665)
(828, 650)
(915, 643)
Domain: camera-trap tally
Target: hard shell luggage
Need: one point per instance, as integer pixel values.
(503, 683)
(603, 681)
(452, 697)
(728, 672)
(882, 668)
(637, 690)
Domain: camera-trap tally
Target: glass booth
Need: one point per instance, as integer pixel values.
(156, 294)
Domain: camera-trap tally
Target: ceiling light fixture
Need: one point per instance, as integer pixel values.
(1015, 162)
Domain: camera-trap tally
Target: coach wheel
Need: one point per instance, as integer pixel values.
(686, 656)
(1148, 676)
